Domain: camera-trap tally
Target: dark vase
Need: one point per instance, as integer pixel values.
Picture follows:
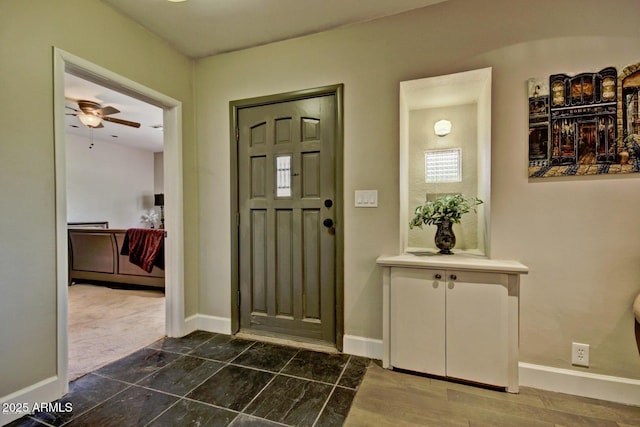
(445, 239)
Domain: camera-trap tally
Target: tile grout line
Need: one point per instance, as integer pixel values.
(163, 412)
(267, 385)
(136, 384)
(223, 365)
(129, 385)
(344, 368)
(40, 422)
(179, 397)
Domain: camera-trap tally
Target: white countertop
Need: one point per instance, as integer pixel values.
(456, 261)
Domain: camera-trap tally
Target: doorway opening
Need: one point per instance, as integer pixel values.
(68, 64)
(114, 174)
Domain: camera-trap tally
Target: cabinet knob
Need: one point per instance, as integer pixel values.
(438, 276)
(453, 277)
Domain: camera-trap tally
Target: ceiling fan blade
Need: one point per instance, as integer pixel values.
(71, 108)
(121, 122)
(108, 110)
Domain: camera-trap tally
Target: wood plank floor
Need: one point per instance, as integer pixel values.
(389, 398)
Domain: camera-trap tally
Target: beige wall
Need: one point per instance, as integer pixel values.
(109, 182)
(579, 236)
(28, 31)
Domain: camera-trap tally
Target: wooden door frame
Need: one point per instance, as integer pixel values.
(234, 107)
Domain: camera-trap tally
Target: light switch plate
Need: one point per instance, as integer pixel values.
(366, 199)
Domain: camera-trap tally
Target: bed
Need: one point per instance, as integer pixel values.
(94, 256)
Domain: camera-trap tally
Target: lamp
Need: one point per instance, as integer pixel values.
(442, 127)
(90, 120)
(158, 200)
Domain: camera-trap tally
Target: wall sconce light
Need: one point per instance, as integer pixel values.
(158, 200)
(442, 127)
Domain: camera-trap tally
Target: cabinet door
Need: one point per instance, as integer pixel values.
(417, 316)
(477, 327)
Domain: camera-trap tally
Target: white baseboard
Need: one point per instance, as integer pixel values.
(47, 390)
(190, 324)
(362, 346)
(203, 322)
(604, 387)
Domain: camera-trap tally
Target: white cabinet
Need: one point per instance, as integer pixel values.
(453, 316)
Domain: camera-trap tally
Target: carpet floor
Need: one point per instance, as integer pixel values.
(106, 324)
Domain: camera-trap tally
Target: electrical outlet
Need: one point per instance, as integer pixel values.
(580, 354)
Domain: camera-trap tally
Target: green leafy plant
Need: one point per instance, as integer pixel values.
(444, 208)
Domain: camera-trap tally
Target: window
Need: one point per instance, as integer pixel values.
(443, 165)
(283, 175)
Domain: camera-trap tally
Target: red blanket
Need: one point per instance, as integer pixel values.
(145, 247)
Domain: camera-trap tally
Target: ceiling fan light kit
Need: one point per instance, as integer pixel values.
(92, 114)
(89, 120)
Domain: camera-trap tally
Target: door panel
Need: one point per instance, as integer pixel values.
(418, 313)
(259, 260)
(286, 170)
(284, 259)
(477, 303)
(311, 273)
(311, 175)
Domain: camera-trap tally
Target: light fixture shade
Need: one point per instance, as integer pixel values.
(442, 127)
(90, 120)
(158, 199)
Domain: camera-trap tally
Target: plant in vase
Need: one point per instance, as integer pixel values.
(444, 211)
(150, 218)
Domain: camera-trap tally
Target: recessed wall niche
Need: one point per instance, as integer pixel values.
(465, 100)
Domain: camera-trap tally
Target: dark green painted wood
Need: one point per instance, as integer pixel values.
(299, 300)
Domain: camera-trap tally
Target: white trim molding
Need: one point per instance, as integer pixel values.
(46, 390)
(362, 346)
(586, 384)
(204, 322)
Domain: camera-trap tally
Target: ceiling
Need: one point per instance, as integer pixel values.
(199, 28)
(147, 137)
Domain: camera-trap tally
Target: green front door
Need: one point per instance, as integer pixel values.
(286, 202)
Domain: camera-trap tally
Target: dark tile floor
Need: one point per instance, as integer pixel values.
(207, 379)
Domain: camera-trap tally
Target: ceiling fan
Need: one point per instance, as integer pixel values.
(92, 114)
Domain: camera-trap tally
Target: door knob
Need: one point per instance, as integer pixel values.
(328, 203)
(328, 223)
